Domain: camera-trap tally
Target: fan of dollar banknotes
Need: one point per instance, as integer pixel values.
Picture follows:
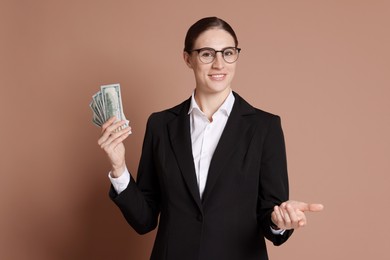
(107, 103)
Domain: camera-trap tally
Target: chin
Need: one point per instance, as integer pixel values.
(218, 89)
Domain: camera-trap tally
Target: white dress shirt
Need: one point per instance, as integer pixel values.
(205, 135)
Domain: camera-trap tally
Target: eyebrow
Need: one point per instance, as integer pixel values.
(213, 48)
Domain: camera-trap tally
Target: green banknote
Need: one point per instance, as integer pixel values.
(107, 103)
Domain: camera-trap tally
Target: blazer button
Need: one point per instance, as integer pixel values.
(199, 218)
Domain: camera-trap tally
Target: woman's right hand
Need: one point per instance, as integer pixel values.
(111, 141)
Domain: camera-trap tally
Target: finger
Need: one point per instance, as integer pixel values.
(115, 126)
(108, 123)
(119, 139)
(109, 130)
(278, 220)
(292, 216)
(286, 218)
(303, 220)
(316, 207)
(116, 138)
(302, 206)
(105, 140)
(282, 211)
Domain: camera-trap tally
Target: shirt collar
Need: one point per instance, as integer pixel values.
(226, 106)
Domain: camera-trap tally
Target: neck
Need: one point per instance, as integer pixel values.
(209, 103)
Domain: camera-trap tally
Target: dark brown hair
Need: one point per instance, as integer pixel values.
(203, 25)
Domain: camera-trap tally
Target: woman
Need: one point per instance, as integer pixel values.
(213, 169)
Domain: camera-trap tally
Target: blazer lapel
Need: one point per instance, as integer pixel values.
(180, 137)
(236, 128)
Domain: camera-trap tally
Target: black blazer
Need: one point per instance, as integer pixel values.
(247, 177)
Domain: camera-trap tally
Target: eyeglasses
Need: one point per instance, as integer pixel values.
(207, 55)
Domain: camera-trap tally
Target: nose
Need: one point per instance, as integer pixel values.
(218, 62)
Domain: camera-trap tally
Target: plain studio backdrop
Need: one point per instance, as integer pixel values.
(323, 66)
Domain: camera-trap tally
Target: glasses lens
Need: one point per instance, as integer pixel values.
(206, 55)
(230, 55)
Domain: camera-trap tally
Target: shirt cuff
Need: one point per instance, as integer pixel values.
(120, 183)
(278, 231)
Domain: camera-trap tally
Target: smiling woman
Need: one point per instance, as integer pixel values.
(213, 75)
(213, 169)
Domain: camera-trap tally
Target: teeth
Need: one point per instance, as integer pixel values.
(217, 76)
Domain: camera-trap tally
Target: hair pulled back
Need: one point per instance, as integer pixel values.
(203, 25)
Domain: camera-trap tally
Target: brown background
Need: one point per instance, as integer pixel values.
(322, 65)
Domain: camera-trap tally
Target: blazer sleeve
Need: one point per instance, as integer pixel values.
(139, 202)
(273, 184)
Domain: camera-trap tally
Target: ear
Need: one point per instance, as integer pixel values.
(187, 59)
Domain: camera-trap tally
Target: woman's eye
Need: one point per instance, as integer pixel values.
(228, 53)
(206, 54)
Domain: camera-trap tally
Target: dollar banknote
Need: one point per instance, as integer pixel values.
(107, 103)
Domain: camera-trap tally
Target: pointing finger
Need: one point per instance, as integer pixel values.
(302, 206)
(316, 207)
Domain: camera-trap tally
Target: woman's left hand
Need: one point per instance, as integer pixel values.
(291, 214)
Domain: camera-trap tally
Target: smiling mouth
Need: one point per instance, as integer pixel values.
(217, 76)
